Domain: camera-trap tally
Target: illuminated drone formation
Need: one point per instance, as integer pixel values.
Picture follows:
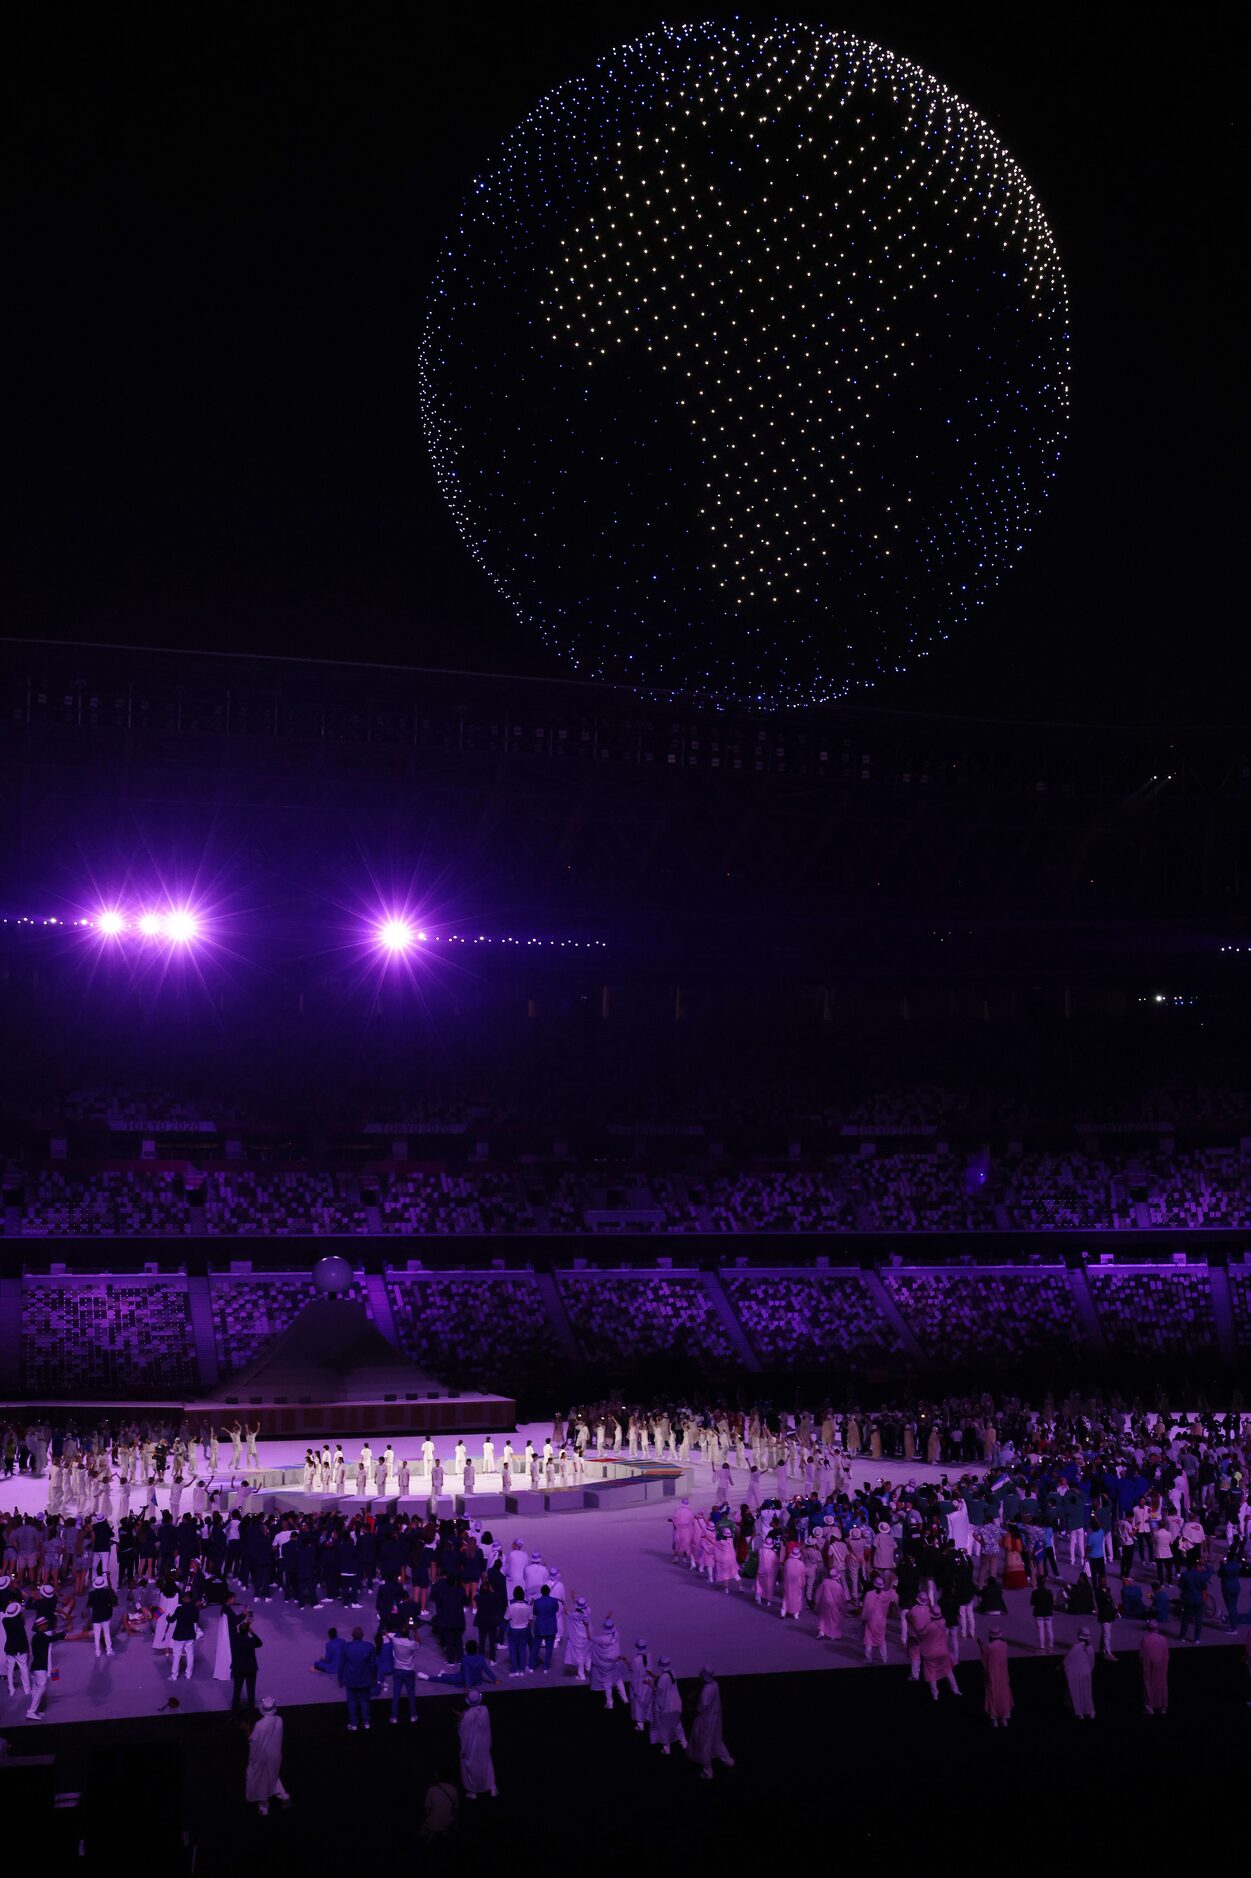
(745, 369)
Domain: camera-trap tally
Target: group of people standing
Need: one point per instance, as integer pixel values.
(383, 1475)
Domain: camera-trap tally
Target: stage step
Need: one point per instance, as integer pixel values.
(11, 1334)
(715, 1293)
(375, 1285)
(200, 1311)
(557, 1316)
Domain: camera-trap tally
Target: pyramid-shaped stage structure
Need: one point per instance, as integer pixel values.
(333, 1372)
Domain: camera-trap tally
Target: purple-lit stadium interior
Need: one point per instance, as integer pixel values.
(625, 939)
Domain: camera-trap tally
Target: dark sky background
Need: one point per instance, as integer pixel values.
(218, 238)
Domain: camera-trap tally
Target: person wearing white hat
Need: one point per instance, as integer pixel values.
(41, 1664)
(534, 1576)
(477, 1768)
(264, 1775)
(884, 1551)
(515, 1566)
(725, 1559)
(769, 1560)
(998, 1688)
(682, 1519)
(16, 1657)
(1079, 1665)
(641, 1686)
(928, 1648)
(578, 1637)
(666, 1716)
(874, 1610)
(830, 1605)
(608, 1667)
(101, 1603)
(707, 1743)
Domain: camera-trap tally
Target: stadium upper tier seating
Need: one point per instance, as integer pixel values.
(895, 1191)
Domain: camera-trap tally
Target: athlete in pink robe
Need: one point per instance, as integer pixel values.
(1154, 1654)
(873, 1611)
(830, 1605)
(929, 1650)
(683, 1522)
(792, 1585)
(998, 1688)
(767, 1574)
(725, 1563)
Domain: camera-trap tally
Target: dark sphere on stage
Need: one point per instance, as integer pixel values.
(745, 368)
(333, 1275)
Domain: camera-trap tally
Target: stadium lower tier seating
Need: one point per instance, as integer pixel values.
(517, 1331)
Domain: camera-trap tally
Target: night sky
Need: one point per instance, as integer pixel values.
(217, 250)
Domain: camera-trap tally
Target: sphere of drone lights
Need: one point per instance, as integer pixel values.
(745, 369)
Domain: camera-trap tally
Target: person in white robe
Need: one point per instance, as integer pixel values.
(477, 1769)
(488, 1456)
(959, 1527)
(666, 1715)
(556, 1586)
(264, 1776)
(608, 1666)
(707, 1743)
(578, 1637)
(641, 1686)
(534, 1576)
(1079, 1669)
(221, 1644)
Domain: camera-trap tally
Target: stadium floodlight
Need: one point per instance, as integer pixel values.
(396, 935)
(110, 923)
(181, 926)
